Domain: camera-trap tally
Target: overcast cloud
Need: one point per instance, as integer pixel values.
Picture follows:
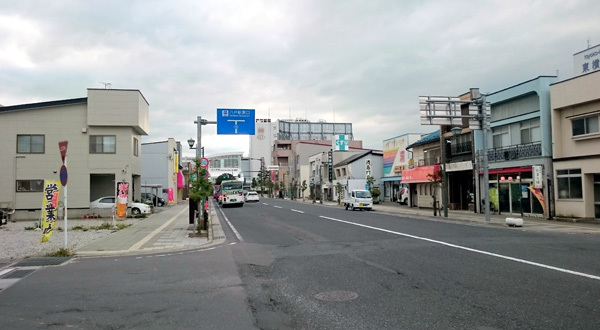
(364, 62)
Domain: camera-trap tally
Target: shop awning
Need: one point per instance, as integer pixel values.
(391, 178)
(508, 170)
(420, 174)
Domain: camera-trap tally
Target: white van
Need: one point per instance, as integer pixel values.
(359, 199)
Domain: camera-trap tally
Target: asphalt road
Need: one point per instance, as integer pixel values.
(309, 266)
(289, 265)
(197, 289)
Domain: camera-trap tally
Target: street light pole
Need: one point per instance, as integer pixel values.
(199, 123)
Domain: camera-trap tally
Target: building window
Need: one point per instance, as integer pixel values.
(569, 184)
(344, 172)
(231, 162)
(587, 125)
(30, 185)
(30, 144)
(136, 147)
(530, 131)
(103, 144)
(501, 137)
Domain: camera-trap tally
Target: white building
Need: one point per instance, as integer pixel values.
(103, 131)
(229, 162)
(160, 169)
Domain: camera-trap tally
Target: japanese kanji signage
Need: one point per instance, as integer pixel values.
(341, 143)
(49, 208)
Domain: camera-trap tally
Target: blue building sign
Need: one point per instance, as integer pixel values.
(235, 121)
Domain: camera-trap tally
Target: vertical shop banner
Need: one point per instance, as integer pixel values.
(49, 208)
(539, 195)
(122, 192)
(176, 163)
(170, 195)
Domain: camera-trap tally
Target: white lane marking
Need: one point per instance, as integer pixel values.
(297, 211)
(239, 237)
(6, 271)
(265, 204)
(277, 207)
(144, 240)
(563, 270)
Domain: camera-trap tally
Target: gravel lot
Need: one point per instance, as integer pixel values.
(16, 242)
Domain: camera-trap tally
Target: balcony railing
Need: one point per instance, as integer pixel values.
(520, 151)
(461, 148)
(428, 161)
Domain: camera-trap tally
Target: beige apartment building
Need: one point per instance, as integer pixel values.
(576, 150)
(103, 131)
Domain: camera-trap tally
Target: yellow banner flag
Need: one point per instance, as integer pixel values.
(539, 195)
(49, 208)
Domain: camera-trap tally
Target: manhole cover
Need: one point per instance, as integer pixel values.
(336, 295)
(51, 261)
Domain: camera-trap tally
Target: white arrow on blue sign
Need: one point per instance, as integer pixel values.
(235, 121)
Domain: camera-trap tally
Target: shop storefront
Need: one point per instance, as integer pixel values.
(424, 185)
(391, 187)
(512, 191)
(460, 186)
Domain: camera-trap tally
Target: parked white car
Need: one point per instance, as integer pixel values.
(403, 195)
(251, 196)
(108, 202)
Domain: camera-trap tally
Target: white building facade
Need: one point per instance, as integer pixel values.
(103, 131)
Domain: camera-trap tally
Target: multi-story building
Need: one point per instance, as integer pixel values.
(519, 146)
(423, 174)
(103, 131)
(395, 160)
(229, 162)
(267, 132)
(576, 148)
(160, 169)
(290, 158)
(353, 172)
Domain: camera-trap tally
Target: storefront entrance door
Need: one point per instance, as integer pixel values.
(509, 196)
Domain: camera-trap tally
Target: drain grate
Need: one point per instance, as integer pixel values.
(50, 261)
(18, 273)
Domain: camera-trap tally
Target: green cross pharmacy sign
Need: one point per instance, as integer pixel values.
(341, 143)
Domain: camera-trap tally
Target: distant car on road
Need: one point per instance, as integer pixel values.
(108, 202)
(251, 196)
(152, 198)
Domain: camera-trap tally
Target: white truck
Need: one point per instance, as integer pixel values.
(359, 200)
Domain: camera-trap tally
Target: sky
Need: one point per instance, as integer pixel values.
(351, 61)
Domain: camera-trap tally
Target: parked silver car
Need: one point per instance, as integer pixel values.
(108, 202)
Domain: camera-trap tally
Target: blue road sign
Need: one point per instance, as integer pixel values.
(64, 176)
(235, 121)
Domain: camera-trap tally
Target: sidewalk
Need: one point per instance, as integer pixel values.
(168, 230)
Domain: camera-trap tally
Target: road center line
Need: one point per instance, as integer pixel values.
(277, 207)
(297, 211)
(563, 270)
